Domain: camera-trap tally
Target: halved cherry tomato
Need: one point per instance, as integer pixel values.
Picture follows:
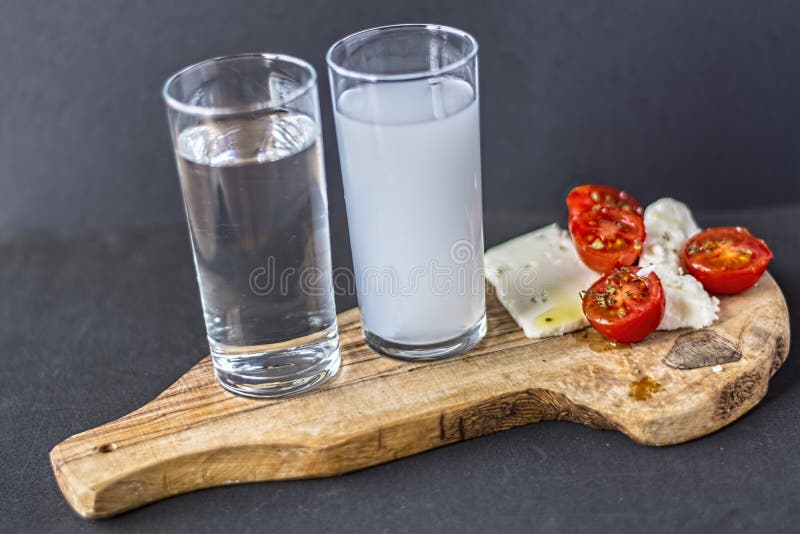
(727, 259)
(585, 197)
(607, 237)
(624, 307)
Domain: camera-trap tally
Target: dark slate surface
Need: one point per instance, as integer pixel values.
(94, 325)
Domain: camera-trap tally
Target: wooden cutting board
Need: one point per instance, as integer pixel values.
(196, 435)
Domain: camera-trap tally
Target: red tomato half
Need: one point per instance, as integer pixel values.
(607, 237)
(727, 259)
(586, 197)
(623, 306)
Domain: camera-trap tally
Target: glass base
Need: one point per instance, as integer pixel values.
(277, 370)
(429, 352)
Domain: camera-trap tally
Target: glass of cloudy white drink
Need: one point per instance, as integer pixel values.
(406, 109)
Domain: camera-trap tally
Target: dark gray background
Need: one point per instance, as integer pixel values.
(698, 100)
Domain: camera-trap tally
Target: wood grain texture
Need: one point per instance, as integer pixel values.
(196, 435)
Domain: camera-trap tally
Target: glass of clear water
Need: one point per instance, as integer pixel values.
(247, 139)
(405, 102)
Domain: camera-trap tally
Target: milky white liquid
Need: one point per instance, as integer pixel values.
(410, 154)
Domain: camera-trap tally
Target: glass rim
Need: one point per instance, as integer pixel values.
(406, 76)
(261, 105)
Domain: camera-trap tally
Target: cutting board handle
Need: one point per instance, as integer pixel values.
(145, 455)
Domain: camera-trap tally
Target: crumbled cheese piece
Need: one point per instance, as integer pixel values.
(669, 224)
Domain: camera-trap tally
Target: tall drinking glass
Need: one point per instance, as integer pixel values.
(406, 107)
(246, 132)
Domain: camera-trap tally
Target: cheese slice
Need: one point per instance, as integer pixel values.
(669, 224)
(538, 277)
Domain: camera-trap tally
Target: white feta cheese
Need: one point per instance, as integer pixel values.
(687, 304)
(669, 224)
(538, 277)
